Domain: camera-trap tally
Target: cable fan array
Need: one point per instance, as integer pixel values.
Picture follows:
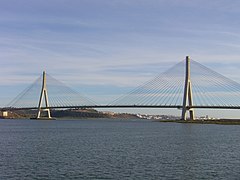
(213, 89)
(59, 95)
(166, 89)
(29, 97)
(209, 88)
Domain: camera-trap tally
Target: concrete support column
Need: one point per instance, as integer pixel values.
(187, 96)
(44, 95)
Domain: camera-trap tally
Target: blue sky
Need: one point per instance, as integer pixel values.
(111, 46)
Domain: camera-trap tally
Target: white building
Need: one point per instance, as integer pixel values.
(3, 113)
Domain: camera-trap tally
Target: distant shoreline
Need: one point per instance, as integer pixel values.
(219, 121)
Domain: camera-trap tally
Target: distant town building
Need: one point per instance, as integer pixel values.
(3, 113)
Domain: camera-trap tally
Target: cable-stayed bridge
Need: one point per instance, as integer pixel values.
(188, 85)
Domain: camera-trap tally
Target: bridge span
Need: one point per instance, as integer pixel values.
(186, 86)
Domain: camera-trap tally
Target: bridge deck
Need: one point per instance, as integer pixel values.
(124, 106)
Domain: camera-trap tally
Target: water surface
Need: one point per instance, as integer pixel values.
(117, 149)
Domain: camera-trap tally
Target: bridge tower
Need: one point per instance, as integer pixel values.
(187, 96)
(44, 95)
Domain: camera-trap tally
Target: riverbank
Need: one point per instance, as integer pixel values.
(69, 114)
(218, 121)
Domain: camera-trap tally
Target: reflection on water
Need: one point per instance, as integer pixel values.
(115, 149)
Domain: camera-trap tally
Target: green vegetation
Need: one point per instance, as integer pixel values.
(70, 114)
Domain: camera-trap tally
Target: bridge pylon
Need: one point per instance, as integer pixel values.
(44, 94)
(187, 96)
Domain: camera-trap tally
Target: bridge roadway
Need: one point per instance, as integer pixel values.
(123, 106)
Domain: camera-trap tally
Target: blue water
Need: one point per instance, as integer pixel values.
(117, 149)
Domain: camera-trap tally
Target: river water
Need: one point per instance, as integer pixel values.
(117, 149)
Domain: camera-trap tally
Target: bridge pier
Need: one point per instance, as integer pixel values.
(187, 96)
(44, 94)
